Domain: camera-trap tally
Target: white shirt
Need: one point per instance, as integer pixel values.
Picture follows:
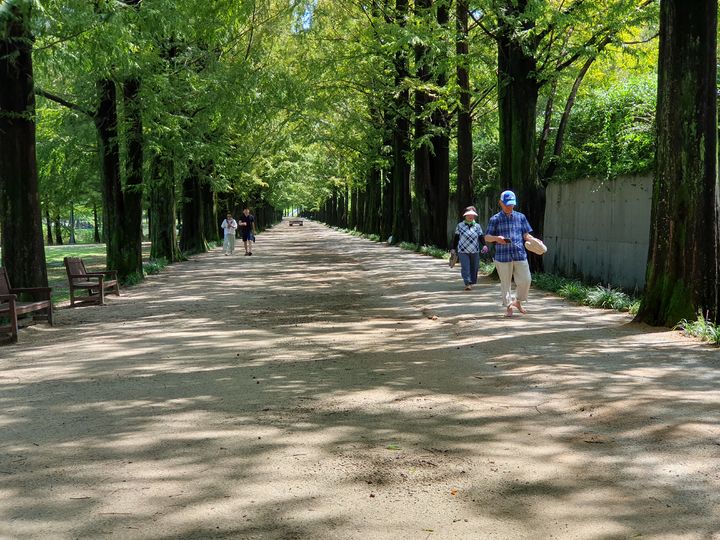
(229, 226)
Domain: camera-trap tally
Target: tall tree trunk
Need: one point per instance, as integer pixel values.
(71, 239)
(23, 254)
(432, 158)
(465, 183)
(423, 180)
(362, 203)
(48, 226)
(58, 231)
(352, 214)
(163, 234)
(683, 271)
(518, 91)
(517, 107)
(402, 230)
(133, 192)
(211, 226)
(192, 236)
(96, 225)
(372, 201)
(106, 124)
(440, 157)
(346, 206)
(386, 214)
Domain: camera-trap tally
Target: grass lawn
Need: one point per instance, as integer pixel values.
(92, 254)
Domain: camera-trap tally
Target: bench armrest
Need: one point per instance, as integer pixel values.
(85, 277)
(8, 297)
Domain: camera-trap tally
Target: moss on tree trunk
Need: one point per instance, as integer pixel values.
(23, 253)
(682, 275)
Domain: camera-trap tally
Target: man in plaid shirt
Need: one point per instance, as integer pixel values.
(509, 230)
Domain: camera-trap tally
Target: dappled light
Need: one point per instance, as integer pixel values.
(307, 392)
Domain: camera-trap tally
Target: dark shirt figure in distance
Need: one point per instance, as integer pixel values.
(247, 229)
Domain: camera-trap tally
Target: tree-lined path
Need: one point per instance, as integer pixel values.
(308, 392)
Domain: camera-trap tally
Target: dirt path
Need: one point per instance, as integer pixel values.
(304, 392)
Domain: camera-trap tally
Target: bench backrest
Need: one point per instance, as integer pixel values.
(4, 281)
(75, 267)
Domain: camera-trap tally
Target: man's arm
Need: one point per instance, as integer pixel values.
(492, 238)
(490, 233)
(528, 229)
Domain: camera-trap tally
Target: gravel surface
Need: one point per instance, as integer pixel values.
(329, 387)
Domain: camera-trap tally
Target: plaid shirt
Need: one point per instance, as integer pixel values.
(469, 241)
(512, 226)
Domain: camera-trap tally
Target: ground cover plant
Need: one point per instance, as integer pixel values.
(599, 296)
(701, 328)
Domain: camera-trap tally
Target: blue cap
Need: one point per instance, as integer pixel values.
(508, 197)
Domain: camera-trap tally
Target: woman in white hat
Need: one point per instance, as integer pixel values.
(468, 242)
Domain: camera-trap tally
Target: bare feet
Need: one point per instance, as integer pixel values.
(519, 307)
(509, 311)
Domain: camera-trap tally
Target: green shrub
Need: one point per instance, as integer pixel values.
(153, 266)
(433, 251)
(486, 268)
(133, 279)
(612, 131)
(598, 296)
(573, 290)
(701, 328)
(548, 282)
(608, 297)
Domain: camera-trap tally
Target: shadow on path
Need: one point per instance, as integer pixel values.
(306, 392)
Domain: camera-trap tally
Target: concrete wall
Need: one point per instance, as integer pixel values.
(599, 230)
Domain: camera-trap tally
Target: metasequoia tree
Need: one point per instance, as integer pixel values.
(432, 158)
(536, 41)
(684, 256)
(121, 201)
(400, 175)
(465, 184)
(23, 253)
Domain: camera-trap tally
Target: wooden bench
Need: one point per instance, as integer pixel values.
(11, 307)
(295, 221)
(95, 283)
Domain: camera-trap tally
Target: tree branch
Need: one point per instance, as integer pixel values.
(478, 22)
(640, 42)
(64, 102)
(562, 127)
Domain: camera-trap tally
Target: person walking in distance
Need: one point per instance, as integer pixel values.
(510, 230)
(229, 226)
(467, 244)
(247, 228)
